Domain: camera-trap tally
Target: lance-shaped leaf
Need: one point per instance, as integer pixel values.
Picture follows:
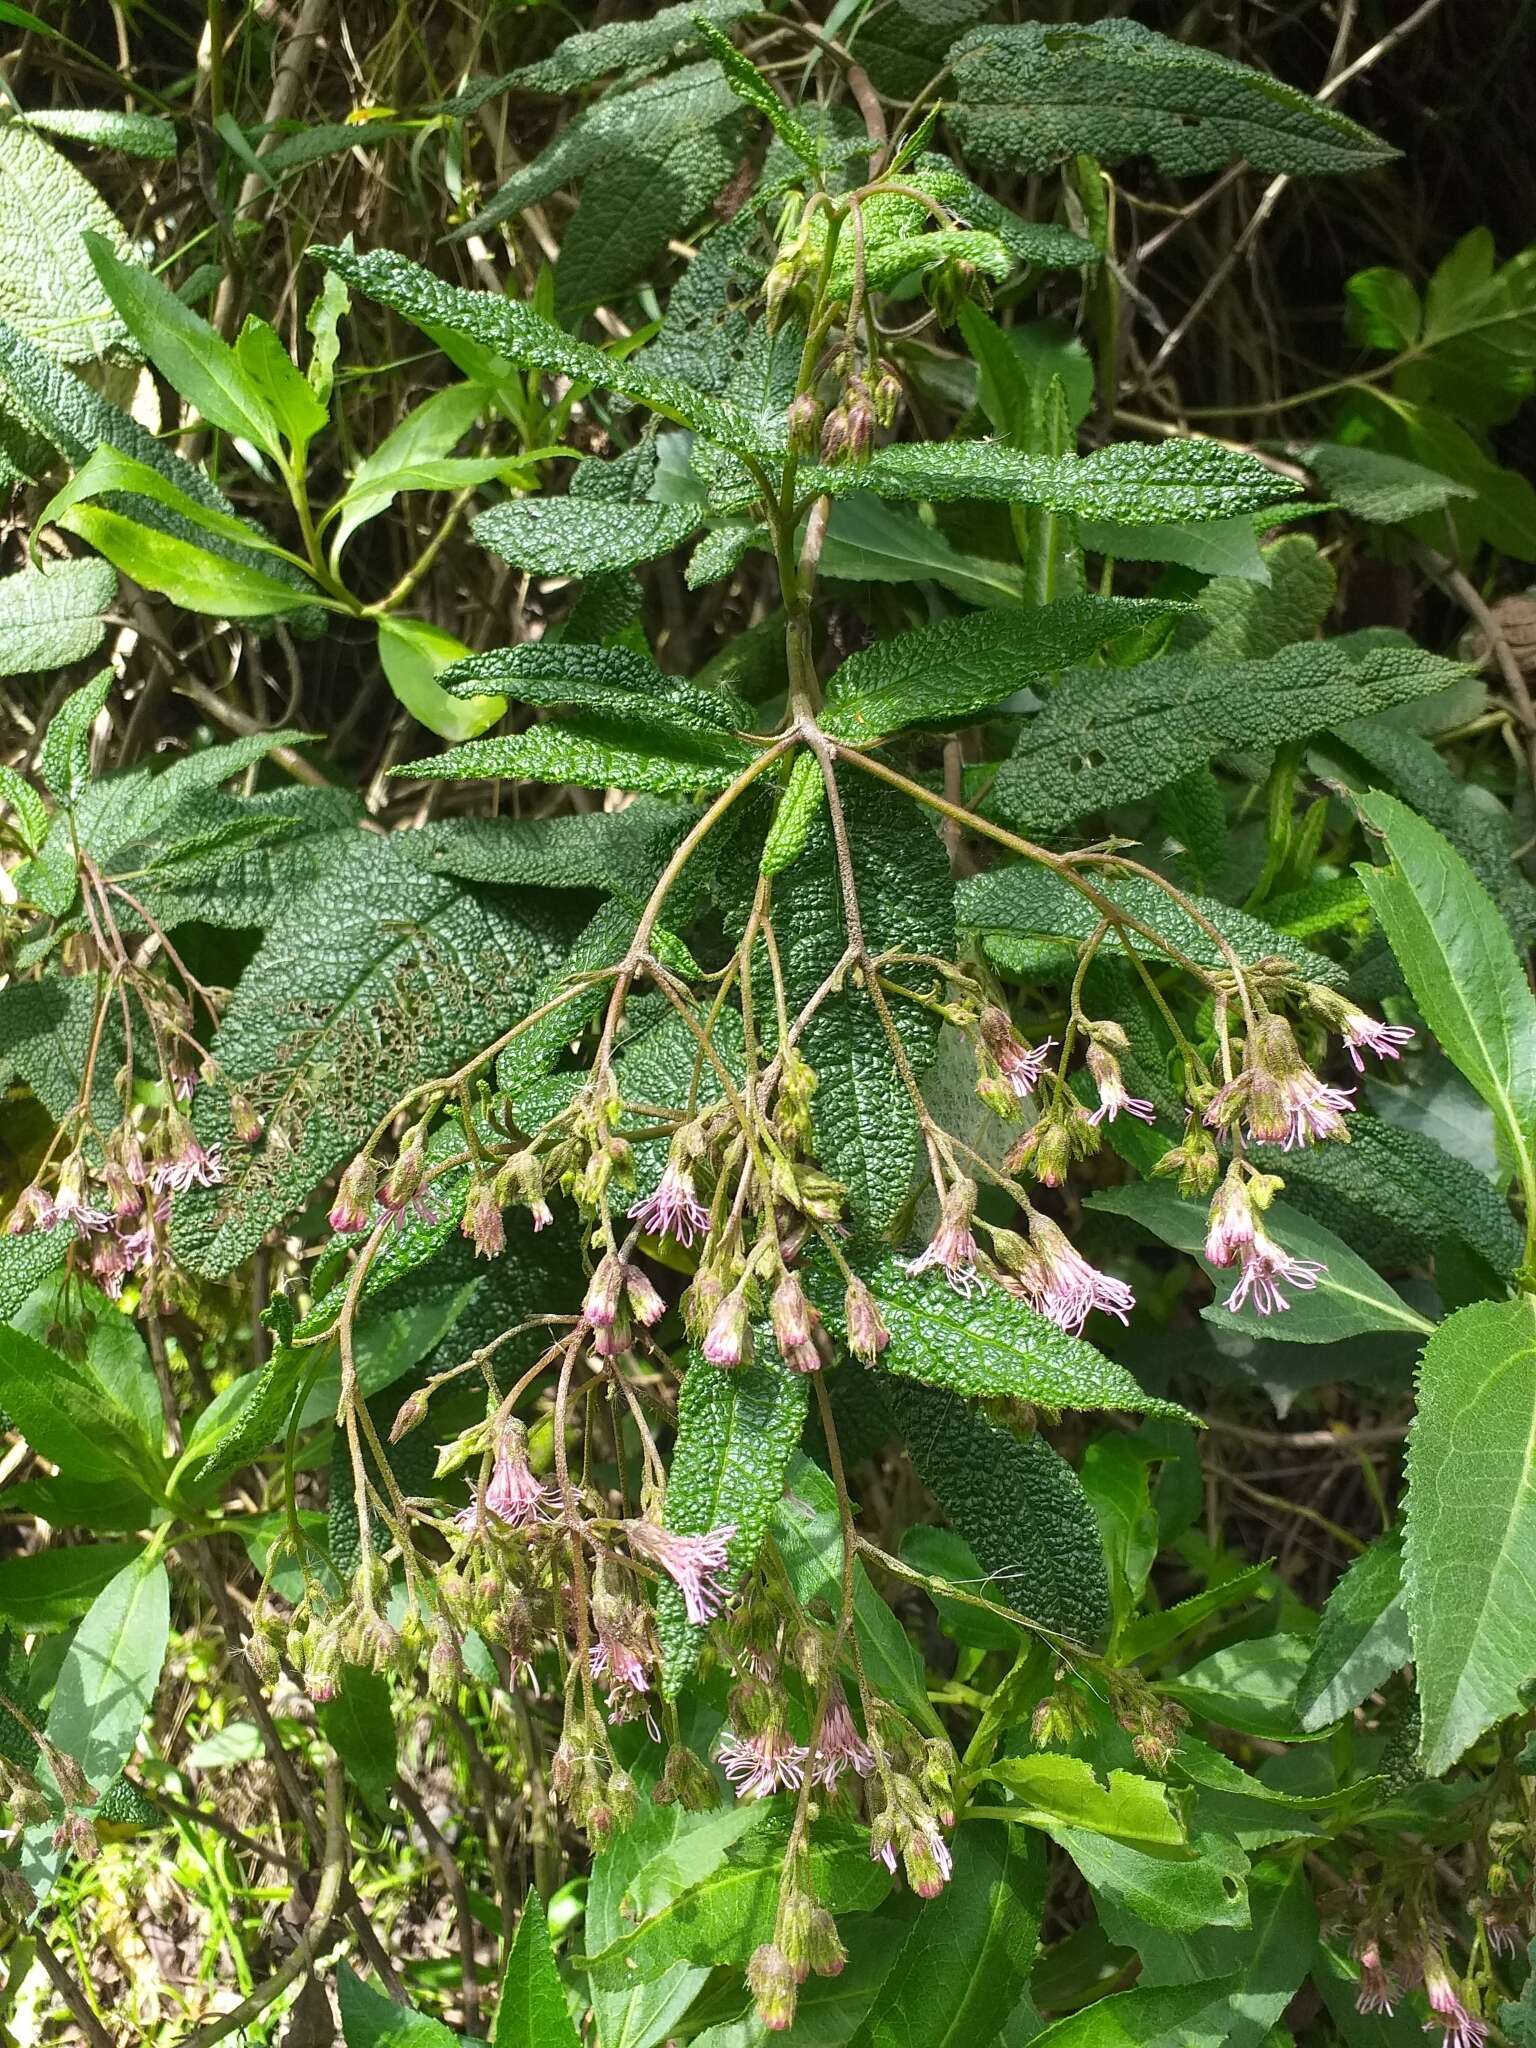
(596, 753)
(994, 1346)
(369, 2019)
(378, 976)
(1363, 1638)
(953, 671)
(1035, 93)
(1108, 737)
(516, 334)
(134, 134)
(108, 1677)
(1037, 902)
(1460, 964)
(51, 616)
(632, 47)
(1019, 1506)
(613, 680)
(1469, 1547)
(1054, 1791)
(532, 2010)
(49, 1589)
(749, 84)
(1040, 242)
(735, 1433)
(1349, 1300)
(1151, 2016)
(966, 1959)
(1139, 482)
(580, 537)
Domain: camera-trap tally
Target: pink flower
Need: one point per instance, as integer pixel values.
(953, 1247)
(1114, 1096)
(695, 1564)
(674, 1210)
(1267, 1268)
(354, 1196)
(618, 1662)
(1063, 1286)
(184, 1162)
(1461, 2030)
(840, 1746)
(34, 1210)
(1315, 1112)
(1231, 1225)
(726, 1339)
(1377, 1992)
(512, 1494)
(760, 1764)
(1371, 1035)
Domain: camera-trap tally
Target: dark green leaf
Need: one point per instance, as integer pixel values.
(370, 2020)
(51, 616)
(577, 537)
(360, 1727)
(532, 2012)
(1362, 1640)
(51, 1588)
(595, 753)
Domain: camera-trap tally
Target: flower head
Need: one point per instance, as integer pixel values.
(72, 1203)
(1063, 1286)
(1368, 1034)
(727, 1340)
(354, 1196)
(952, 1246)
(1277, 1097)
(1267, 1270)
(1377, 1992)
(183, 1162)
(1021, 1065)
(867, 1334)
(840, 1747)
(1231, 1225)
(1459, 2027)
(696, 1564)
(674, 1210)
(512, 1494)
(482, 1223)
(34, 1210)
(762, 1763)
(1114, 1096)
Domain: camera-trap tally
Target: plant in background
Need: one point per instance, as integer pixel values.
(615, 1185)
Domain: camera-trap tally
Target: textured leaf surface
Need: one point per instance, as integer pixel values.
(580, 537)
(608, 850)
(1384, 489)
(48, 288)
(964, 1964)
(1107, 737)
(1363, 1637)
(1457, 957)
(628, 46)
(1019, 1506)
(957, 669)
(1469, 1549)
(634, 203)
(735, 1433)
(517, 334)
(1136, 481)
(1238, 619)
(1034, 94)
(1350, 1298)
(379, 976)
(595, 753)
(1037, 902)
(595, 678)
(865, 1128)
(993, 1345)
(52, 616)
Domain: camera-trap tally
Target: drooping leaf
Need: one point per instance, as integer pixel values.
(634, 203)
(51, 616)
(1469, 1547)
(414, 654)
(1109, 737)
(631, 47)
(612, 681)
(954, 671)
(1033, 94)
(1206, 1889)
(1383, 489)
(144, 135)
(736, 1431)
(1460, 964)
(48, 289)
(1238, 619)
(75, 1412)
(188, 573)
(1363, 1638)
(749, 84)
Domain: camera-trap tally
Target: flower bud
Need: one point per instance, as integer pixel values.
(244, 1121)
(411, 1412)
(867, 1333)
(688, 1781)
(772, 1984)
(835, 435)
(804, 424)
(482, 1223)
(355, 1195)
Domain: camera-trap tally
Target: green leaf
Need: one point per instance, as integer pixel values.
(134, 134)
(376, 977)
(736, 1431)
(966, 1960)
(804, 795)
(1052, 1790)
(953, 671)
(1032, 95)
(370, 2020)
(1154, 1634)
(1107, 737)
(1153, 2016)
(1225, 548)
(517, 334)
(109, 469)
(51, 1588)
(79, 1413)
(1148, 483)
(1383, 489)
(51, 616)
(29, 813)
(726, 1914)
(1018, 1505)
(634, 203)
(1039, 903)
(1469, 1547)
(429, 432)
(595, 753)
(871, 542)
(108, 1678)
(994, 1346)
(48, 289)
(1460, 965)
(532, 2011)
(360, 1727)
(413, 654)
(865, 1128)
(1117, 1480)
(282, 387)
(633, 47)
(202, 368)
(189, 575)
(610, 681)
(580, 536)
(1031, 241)
(1362, 1639)
(1272, 1957)
(1349, 1300)
(1382, 309)
(1206, 1889)
(1250, 1686)
(749, 84)
(26, 1260)
(1237, 619)
(64, 760)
